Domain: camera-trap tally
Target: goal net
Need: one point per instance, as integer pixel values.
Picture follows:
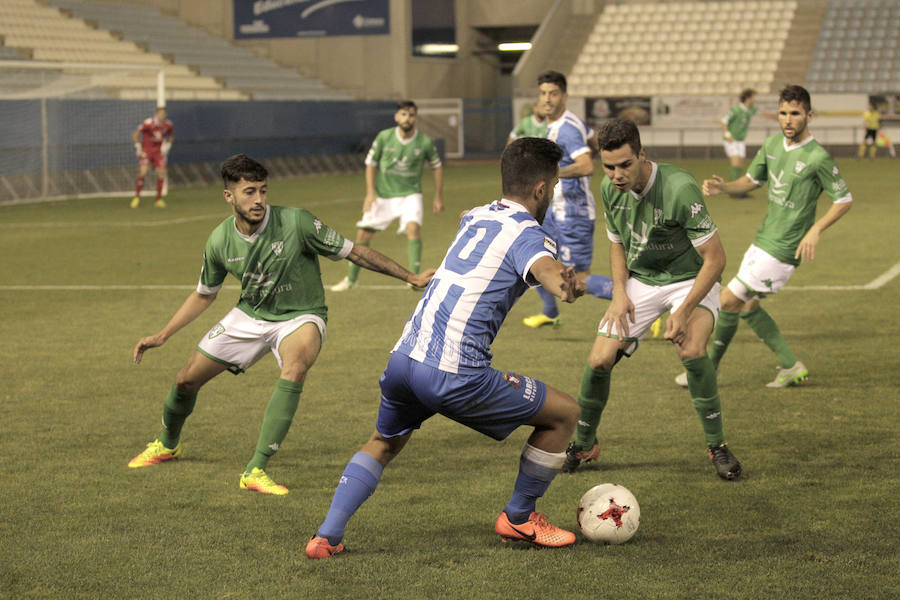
(66, 127)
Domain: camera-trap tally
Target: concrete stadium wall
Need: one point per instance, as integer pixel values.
(374, 67)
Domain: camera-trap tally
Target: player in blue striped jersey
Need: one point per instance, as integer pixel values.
(441, 364)
(570, 220)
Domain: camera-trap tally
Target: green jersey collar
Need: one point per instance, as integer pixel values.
(262, 227)
(795, 146)
(650, 181)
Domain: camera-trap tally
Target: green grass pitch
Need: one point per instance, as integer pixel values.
(816, 515)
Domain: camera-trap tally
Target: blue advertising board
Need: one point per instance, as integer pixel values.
(256, 19)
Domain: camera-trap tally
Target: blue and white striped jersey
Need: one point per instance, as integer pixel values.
(481, 277)
(572, 196)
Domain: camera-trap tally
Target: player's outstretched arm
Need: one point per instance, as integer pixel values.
(193, 306)
(716, 185)
(806, 249)
(374, 260)
(713, 255)
(620, 311)
(438, 204)
(558, 280)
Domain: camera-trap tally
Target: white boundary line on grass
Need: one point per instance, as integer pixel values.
(876, 283)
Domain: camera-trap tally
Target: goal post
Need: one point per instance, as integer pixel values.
(67, 127)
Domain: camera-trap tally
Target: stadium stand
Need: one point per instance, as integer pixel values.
(685, 48)
(45, 34)
(858, 48)
(238, 69)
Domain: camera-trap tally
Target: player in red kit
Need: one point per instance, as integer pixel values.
(152, 142)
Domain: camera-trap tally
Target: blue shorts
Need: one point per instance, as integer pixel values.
(489, 401)
(574, 240)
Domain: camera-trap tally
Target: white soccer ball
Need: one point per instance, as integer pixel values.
(608, 514)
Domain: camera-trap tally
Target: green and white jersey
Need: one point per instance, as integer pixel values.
(529, 127)
(278, 266)
(796, 177)
(659, 227)
(400, 162)
(738, 121)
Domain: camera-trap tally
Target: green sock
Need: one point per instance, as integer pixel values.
(592, 399)
(276, 422)
(353, 270)
(177, 407)
(414, 253)
(764, 326)
(726, 327)
(735, 173)
(701, 376)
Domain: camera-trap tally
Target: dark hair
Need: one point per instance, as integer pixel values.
(795, 93)
(241, 166)
(748, 93)
(554, 77)
(617, 132)
(406, 105)
(527, 161)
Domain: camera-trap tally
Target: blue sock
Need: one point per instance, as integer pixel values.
(357, 483)
(600, 286)
(549, 300)
(536, 470)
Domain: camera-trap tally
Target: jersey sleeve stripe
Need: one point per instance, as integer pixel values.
(529, 278)
(703, 239)
(206, 290)
(844, 199)
(344, 251)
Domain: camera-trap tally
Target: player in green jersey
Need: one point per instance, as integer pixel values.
(797, 170)
(534, 124)
(273, 251)
(665, 255)
(394, 187)
(735, 126)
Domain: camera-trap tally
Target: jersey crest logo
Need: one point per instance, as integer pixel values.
(550, 245)
(277, 248)
(696, 208)
(799, 166)
(217, 330)
(513, 379)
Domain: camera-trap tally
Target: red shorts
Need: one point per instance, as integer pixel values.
(155, 159)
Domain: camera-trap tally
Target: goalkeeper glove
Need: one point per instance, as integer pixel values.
(166, 146)
(137, 148)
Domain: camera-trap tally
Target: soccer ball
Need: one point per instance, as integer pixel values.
(608, 514)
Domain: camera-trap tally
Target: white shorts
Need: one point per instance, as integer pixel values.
(760, 274)
(239, 340)
(385, 210)
(651, 302)
(735, 148)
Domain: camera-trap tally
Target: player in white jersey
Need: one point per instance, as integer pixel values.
(570, 219)
(441, 364)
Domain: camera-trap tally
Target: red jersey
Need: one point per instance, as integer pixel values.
(153, 133)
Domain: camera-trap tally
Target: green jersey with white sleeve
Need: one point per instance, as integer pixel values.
(660, 227)
(278, 265)
(738, 121)
(529, 127)
(796, 177)
(400, 162)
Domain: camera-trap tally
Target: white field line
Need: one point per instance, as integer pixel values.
(106, 288)
(876, 283)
